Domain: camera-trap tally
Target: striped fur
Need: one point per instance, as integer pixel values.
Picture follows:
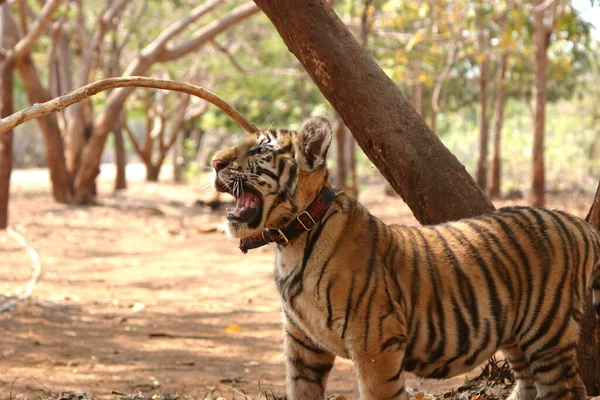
(433, 300)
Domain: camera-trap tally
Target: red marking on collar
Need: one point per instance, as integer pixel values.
(305, 221)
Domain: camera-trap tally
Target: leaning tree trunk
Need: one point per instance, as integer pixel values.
(386, 127)
(494, 188)
(6, 139)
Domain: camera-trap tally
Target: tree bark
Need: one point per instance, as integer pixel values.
(177, 157)
(53, 144)
(494, 188)
(385, 125)
(6, 139)
(120, 156)
(541, 41)
(588, 352)
(482, 165)
(152, 171)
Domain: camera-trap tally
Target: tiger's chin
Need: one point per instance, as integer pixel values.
(240, 230)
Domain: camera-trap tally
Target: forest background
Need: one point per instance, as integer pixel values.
(458, 62)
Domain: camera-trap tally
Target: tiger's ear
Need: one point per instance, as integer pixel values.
(312, 143)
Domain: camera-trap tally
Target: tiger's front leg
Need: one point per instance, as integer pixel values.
(307, 365)
(382, 376)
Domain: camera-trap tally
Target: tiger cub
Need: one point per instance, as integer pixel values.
(433, 300)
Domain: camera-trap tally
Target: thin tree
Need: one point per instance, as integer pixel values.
(494, 187)
(484, 67)
(545, 16)
(6, 108)
(13, 48)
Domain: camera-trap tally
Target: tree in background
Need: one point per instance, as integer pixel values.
(546, 15)
(13, 48)
(160, 50)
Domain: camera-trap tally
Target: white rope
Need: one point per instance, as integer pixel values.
(35, 276)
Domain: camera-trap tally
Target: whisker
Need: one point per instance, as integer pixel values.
(256, 188)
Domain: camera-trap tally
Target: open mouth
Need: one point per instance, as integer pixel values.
(248, 208)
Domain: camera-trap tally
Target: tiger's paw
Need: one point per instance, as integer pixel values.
(523, 391)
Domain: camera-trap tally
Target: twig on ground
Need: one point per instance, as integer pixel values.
(11, 387)
(35, 276)
(174, 336)
(59, 103)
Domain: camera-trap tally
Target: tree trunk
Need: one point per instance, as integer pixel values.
(340, 152)
(377, 113)
(53, 144)
(482, 165)
(152, 171)
(494, 188)
(177, 157)
(588, 352)
(120, 156)
(6, 139)
(541, 38)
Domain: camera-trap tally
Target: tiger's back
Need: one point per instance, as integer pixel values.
(434, 300)
(518, 275)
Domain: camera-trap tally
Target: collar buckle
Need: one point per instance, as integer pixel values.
(274, 235)
(309, 223)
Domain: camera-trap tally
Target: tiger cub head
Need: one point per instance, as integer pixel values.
(273, 175)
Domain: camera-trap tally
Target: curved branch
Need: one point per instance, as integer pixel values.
(59, 103)
(27, 42)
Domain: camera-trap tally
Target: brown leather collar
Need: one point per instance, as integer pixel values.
(305, 221)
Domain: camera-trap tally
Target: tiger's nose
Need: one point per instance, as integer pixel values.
(219, 164)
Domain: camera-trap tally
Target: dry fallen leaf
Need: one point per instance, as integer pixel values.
(233, 328)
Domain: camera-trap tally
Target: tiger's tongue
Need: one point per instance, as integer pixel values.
(246, 201)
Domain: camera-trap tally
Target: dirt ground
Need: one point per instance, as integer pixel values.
(144, 292)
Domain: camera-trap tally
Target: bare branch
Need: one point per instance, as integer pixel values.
(544, 5)
(174, 29)
(209, 31)
(177, 125)
(195, 112)
(132, 139)
(230, 56)
(26, 43)
(94, 48)
(443, 76)
(59, 103)
(23, 16)
(127, 34)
